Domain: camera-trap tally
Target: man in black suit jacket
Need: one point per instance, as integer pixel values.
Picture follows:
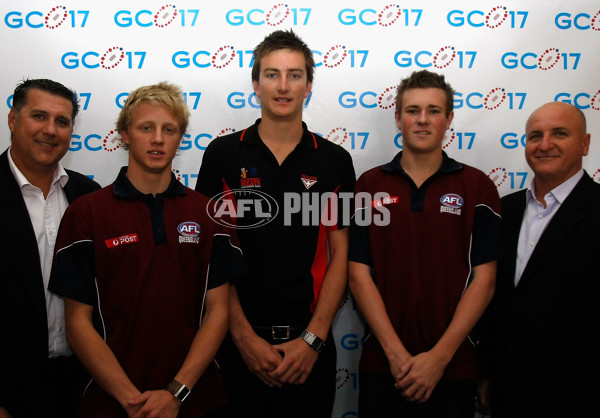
(544, 321)
(39, 377)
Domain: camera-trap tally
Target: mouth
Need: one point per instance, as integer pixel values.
(45, 144)
(158, 153)
(282, 100)
(422, 132)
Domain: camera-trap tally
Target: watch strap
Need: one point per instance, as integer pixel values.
(312, 340)
(179, 390)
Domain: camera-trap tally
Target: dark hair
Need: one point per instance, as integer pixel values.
(282, 39)
(425, 79)
(49, 86)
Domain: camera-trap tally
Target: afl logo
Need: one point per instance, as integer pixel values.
(112, 58)
(389, 15)
(223, 56)
(242, 208)
(189, 229)
(498, 176)
(387, 99)
(165, 16)
(444, 57)
(55, 17)
(112, 141)
(452, 200)
(496, 17)
(338, 135)
(494, 98)
(341, 377)
(548, 59)
(335, 56)
(277, 15)
(447, 141)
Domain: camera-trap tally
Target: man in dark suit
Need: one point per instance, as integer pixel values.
(39, 376)
(544, 322)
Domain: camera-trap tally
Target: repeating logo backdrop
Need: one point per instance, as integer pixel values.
(504, 59)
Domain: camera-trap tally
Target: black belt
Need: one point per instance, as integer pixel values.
(278, 332)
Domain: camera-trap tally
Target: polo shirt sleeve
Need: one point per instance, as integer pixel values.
(345, 191)
(226, 260)
(73, 272)
(487, 225)
(210, 177)
(359, 249)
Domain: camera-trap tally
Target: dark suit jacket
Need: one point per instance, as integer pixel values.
(23, 322)
(545, 333)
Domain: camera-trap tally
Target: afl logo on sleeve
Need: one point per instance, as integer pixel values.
(451, 203)
(189, 232)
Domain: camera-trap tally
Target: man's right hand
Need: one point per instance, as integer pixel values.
(260, 357)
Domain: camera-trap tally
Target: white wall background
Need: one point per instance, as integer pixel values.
(504, 59)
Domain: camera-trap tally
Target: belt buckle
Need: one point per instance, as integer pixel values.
(280, 332)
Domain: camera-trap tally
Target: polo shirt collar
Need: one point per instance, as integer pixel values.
(122, 187)
(449, 165)
(251, 136)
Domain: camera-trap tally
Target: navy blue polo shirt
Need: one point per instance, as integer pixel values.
(144, 264)
(287, 256)
(423, 259)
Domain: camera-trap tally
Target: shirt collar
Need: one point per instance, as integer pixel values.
(560, 192)
(59, 175)
(122, 187)
(448, 164)
(251, 136)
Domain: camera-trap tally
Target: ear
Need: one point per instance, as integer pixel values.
(12, 119)
(449, 121)
(256, 88)
(398, 118)
(125, 137)
(308, 89)
(586, 144)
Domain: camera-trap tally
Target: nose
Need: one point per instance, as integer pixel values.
(546, 142)
(283, 84)
(50, 127)
(157, 137)
(422, 117)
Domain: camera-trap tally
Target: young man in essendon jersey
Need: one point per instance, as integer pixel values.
(280, 360)
(423, 279)
(144, 272)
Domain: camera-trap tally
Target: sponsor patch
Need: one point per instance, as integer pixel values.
(390, 200)
(122, 240)
(308, 181)
(452, 200)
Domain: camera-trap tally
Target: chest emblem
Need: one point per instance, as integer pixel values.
(308, 181)
(189, 232)
(451, 203)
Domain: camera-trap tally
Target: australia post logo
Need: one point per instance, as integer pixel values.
(451, 203)
(122, 240)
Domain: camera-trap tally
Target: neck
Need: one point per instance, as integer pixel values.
(149, 183)
(280, 132)
(420, 167)
(40, 177)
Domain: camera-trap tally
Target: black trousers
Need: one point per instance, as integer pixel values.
(249, 397)
(378, 398)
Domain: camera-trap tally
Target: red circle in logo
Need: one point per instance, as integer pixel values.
(277, 14)
(496, 17)
(165, 15)
(55, 17)
(389, 15)
(548, 59)
(223, 56)
(387, 99)
(444, 57)
(112, 57)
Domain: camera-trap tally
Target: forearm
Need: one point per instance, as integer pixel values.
(95, 354)
(468, 311)
(208, 338)
(371, 306)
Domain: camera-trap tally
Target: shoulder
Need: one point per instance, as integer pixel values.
(327, 146)
(226, 141)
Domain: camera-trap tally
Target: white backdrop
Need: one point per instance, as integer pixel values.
(503, 59)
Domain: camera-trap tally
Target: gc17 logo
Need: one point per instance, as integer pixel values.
(163, 17)
(220, 58)
(516, 179)
(581, 21)
(52, 19)
(546, 60)
(494, 99)
(496, 17)
(580, 100)
(275, 16)
(341, 136)
(112, 58)
(445, 56)
(337, 54)
(369, 99)
(387, 16)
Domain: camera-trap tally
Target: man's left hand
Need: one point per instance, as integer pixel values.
(297, 363)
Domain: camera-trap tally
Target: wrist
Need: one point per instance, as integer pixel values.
(313, 341)
(178, 390)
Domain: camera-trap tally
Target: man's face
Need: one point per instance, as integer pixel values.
(556, 142)
(152, 138)
(41, 131)
(422, 119)
(282, 85)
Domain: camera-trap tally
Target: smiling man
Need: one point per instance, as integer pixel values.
(145, 272)
(423, 280)
(280, 359)
(34, 354)
(543, 337)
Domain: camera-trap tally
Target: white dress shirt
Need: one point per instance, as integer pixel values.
(45, 215)
(537, 217)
